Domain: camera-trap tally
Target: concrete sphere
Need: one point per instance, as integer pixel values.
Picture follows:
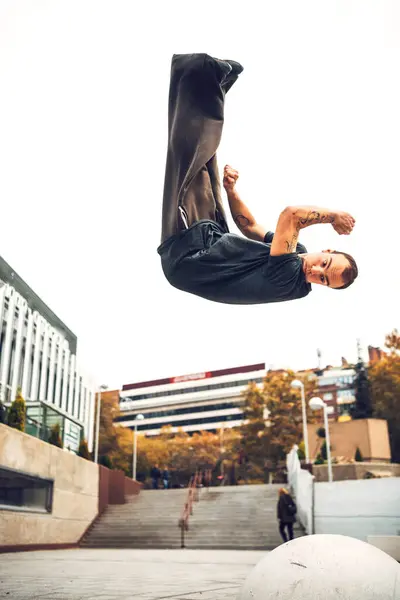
(324, 567)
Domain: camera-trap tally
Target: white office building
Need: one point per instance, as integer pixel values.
(337, 389)
(200, 401)
(38, 355)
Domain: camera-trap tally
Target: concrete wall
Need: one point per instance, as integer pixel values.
(114, 487)
(358, 508)
(356, 471)
(301, 484)
(75, 500)
(369, 435)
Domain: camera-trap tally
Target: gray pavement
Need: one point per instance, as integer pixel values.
(122, 574)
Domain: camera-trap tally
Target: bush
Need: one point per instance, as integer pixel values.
(83, 451)
(55, 437)
(301, 452)
(3, 413)
(17, 412)
(324, 451)
(105, 461)
(358, 456)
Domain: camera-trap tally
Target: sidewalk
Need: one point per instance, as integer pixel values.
(122, 574)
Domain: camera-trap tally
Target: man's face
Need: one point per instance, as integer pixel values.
(324, 268)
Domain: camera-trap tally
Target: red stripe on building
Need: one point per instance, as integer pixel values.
(194, 376)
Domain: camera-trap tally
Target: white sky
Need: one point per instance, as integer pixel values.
(314, 119)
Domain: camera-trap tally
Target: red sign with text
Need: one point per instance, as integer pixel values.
(192, 377)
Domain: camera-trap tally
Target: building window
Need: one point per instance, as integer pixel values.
(25, 492)
(328, 396)
(345, 409)
(199, 388)
(217, 420)
(346, 396)
(168, 412)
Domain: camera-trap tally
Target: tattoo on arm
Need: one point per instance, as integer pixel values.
(241, 221)
(291, 244)
(314, 217)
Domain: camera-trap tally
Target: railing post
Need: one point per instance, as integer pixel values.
(182, 525)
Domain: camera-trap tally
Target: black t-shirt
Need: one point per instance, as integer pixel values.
(228, 268)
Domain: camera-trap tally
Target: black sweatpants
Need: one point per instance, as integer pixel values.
(192, 189)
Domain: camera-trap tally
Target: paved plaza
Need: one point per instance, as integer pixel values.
(122, 574)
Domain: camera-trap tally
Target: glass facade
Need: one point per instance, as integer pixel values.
(41, 418)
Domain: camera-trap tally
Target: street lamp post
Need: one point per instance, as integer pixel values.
(138, 418)
(317, 404)
(96, 454)
(297, 384)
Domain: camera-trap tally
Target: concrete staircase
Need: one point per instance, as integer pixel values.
(237, 517)
(149, 520)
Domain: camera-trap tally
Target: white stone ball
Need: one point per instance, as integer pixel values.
(324, 567)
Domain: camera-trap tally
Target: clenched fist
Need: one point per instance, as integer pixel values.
(343, 223)
(230, 177)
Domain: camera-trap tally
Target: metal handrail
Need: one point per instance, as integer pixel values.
(191, 497)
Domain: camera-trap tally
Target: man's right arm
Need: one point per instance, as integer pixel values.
(241, 214)
(295, 218)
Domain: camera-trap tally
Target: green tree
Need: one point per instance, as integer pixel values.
(358, 456)
(385, 391)
(83, 451)
(55, 436)
(324, 451)
(17, 412)
(363, 405)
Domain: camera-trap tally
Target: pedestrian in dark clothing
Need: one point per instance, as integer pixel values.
(286, 514)
(165, 478)
(155, 475)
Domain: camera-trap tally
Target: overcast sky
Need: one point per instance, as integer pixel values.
(313, 119)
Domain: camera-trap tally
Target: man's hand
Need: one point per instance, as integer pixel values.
(230, 178)
(343, 223)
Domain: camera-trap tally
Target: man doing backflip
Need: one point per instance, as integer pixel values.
(198, 253)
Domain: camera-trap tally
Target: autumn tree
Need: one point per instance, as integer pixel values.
(285, 413)
(182, 454)
(385, 391)
(254, 433)
(273, 419)
(115, 441)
